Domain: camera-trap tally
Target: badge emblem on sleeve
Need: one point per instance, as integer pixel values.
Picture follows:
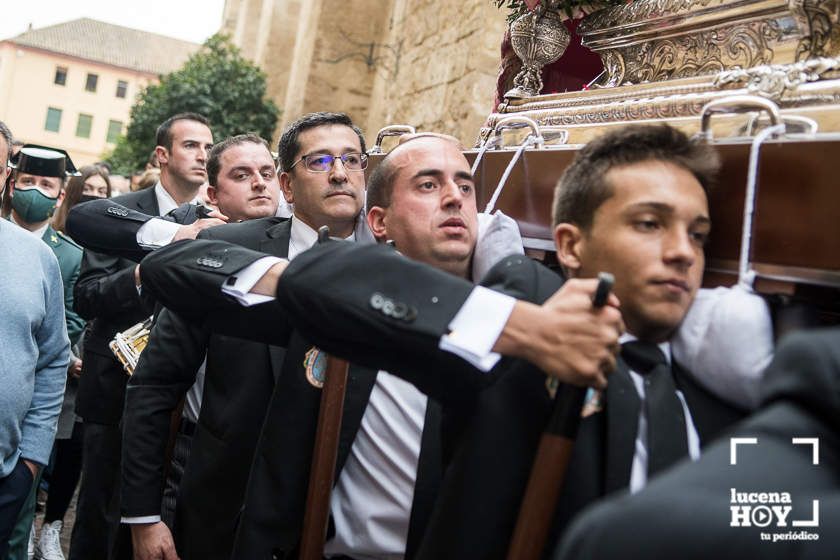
(315, 364)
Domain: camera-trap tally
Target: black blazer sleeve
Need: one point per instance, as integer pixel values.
(106, 288)
(188, 276)
(107, 227)
(165, 372)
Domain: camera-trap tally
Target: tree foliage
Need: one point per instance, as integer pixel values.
(216, 82)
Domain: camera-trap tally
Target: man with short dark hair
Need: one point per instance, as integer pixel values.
(648, 231)
(34, 353)
(432, 217)
(107, 294)
(244, 185)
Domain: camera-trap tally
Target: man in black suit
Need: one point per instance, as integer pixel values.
(443, 203)
(688, 512)
(643, 216)
(323, 158)
(107, 294)
(244, 185)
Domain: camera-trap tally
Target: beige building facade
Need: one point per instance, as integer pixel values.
(72, 85)
(426, 63)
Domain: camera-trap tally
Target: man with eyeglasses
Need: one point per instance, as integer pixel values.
(322, 160)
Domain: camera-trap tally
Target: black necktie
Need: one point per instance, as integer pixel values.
(667, 441)
(185, 214)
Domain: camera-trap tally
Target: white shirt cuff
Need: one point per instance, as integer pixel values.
(477, 326)
(142, 519)
(156, 233)
(239, 285)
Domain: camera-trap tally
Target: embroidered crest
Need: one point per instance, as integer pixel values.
(315, 364)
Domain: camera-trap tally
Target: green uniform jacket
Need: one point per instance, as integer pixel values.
(69, 257)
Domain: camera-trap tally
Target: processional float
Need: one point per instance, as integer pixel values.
(759, 80)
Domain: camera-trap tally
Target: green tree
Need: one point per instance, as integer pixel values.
(216, 82)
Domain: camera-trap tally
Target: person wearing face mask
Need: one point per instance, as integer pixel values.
(34, 347)
(90, 184)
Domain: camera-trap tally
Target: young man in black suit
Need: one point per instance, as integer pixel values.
(107, 295)
(651, 190)
(222, 416)
(322, 174)
(432, 216)
(688, 512)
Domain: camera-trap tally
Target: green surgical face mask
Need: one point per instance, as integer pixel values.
(32, 205)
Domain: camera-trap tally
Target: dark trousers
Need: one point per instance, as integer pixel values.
(98, 509)
(67, 467)
(14, 490)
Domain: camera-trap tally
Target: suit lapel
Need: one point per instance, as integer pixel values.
(622, 415)
(360, 381)
(147, 202)
(710, 415)
(276, 243)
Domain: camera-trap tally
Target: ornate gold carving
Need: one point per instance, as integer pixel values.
(639, 11)
(773, 81)
(821, 17)
(701, 53)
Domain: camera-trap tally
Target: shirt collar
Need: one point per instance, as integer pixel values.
(303, 237)
(39, 233)
(166, 203)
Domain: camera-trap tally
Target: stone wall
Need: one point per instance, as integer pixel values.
(431, 64)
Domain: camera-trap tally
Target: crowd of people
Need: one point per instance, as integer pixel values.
(456, 342)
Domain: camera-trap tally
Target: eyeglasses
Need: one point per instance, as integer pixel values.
(323, 163)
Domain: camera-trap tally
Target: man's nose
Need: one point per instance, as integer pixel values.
(680, 248)
(452, 195)
(338, 173)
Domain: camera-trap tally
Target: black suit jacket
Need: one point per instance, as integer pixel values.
(391, 322)
(686, 514)
(106, 295)
(86, 223)
(239, 379)
(492, 421)
(272, 514)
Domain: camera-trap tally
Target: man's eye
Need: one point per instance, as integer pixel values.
(241, 176)
(700, 237)
(647, 225)
(466, 189)
(268, 174)
(428, 185)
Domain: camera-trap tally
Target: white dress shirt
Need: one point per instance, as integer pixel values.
(158, 233)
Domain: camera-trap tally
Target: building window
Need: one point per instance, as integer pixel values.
(53, 119)
(60, 76)
(122, 88)
(83, 126)
(90, 83)
(114, 130)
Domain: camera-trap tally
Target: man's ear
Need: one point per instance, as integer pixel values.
(286, 187)
(162, 155)
(568, 240)
(376, 222)
(60, 198)
(212, 195)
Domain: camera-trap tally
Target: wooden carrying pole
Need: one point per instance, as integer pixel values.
(551, 461)
(322, 472)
